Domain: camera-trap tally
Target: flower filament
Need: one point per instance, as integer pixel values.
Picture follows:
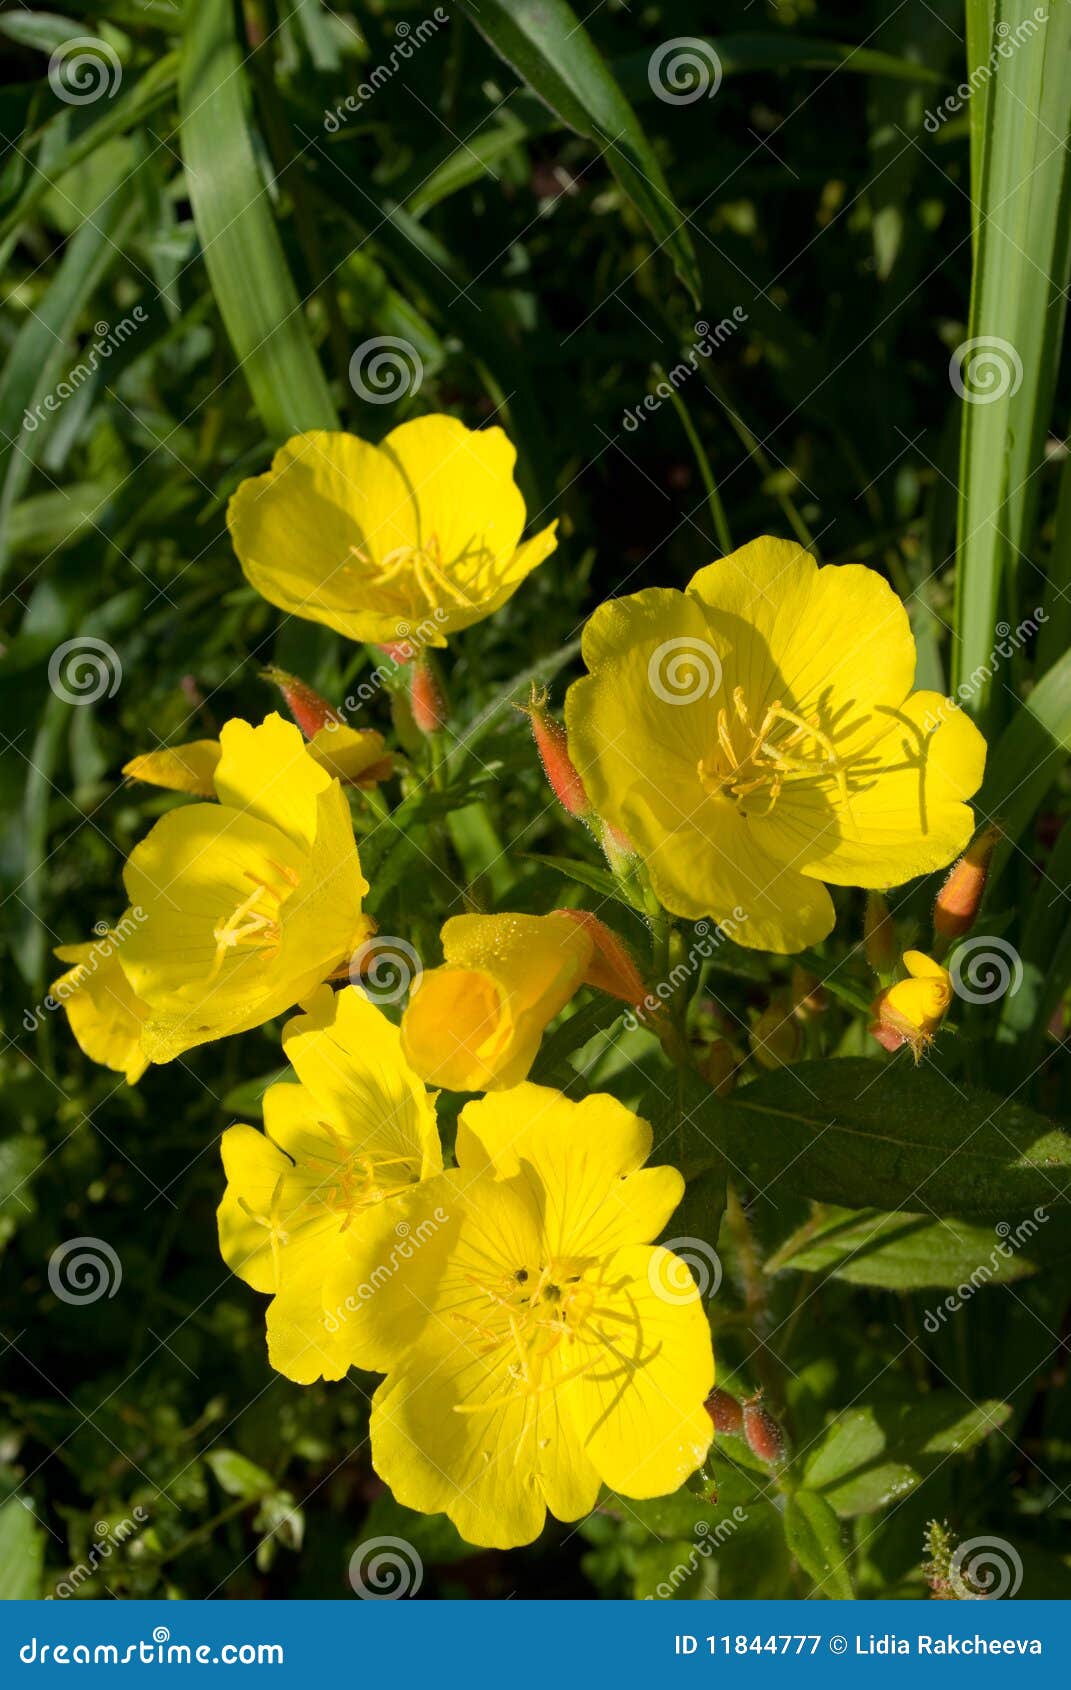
(769, 756)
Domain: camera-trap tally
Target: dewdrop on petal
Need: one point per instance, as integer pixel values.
(961, 895)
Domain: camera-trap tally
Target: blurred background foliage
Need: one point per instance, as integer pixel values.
(257, 233)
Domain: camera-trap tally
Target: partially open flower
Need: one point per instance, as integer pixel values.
(413, 538)
(475, 1023)
(911, 1011)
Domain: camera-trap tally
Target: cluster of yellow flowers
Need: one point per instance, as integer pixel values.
(736, 746)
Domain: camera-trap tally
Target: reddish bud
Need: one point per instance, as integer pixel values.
(611, 968)
(764, 1436)
(959, 898)
(399, 651)
(309, 710)
(426, 698)
(553, 747)
(879, 935)
(726, 1412)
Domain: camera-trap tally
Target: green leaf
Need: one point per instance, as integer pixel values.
(1028, 758)
(905, 1252)
(1022, 196)
(814, 1537)
(875, 1455)
(890, 1137)
(596, 879)
(240, 244)
(547, 45)
(22, 1552)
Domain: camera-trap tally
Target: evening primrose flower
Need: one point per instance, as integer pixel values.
(475, 1023)
(357, 1128)
(249, 903)
(911, 1011)
(105, 1016)
(420, 534)
(537, 1344)
(757, 735)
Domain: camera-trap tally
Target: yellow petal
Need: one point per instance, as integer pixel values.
(254, 1167)
(588, 1158)
(181, 768)
(105, 1016)
(356, 755)
(638, 1404)
(266, 771)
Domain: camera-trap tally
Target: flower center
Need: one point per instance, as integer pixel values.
(424, 565)
(756, 761)
(254, 923)
(530, 1313)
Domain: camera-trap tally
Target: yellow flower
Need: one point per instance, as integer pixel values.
(356, 756)
(357, 1128)
(249, 903)
(536, 1344)
(420, 535)
(757, 735)
(105, 1016)
(475, 1024)
(911, 1012)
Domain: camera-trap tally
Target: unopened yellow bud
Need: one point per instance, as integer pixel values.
(911, 1011)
